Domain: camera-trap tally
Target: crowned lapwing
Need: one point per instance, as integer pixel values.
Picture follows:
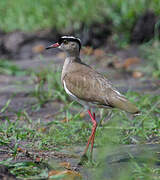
(87, 86)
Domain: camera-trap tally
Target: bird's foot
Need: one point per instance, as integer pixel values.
(83, 160)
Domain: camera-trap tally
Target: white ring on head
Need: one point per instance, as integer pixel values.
(70, 37)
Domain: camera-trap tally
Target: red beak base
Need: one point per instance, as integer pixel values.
(53, 46)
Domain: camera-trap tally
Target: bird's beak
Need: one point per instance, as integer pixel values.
(53, 46)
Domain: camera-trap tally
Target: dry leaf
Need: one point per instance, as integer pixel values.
(130, 61)
(42, 129)
(53, 172)
(87, 50)
(65, 120)
(65, 164)
(137, 74)
(38, 48)
(119, 63)
(66, 175)
(20, 149)
(99, 53)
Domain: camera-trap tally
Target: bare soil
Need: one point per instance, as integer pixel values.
(19, 89)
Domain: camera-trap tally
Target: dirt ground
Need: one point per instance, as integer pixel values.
(121, 69)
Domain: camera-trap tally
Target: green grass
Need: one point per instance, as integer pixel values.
(48, 87)
(58, 135)
(7, 67)
(39, 14)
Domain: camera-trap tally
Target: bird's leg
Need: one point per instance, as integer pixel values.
(91, 138)
(94, 128)
(94, 116)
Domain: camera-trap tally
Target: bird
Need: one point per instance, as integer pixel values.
(87, 86)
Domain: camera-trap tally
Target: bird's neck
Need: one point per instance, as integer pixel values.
(68, 64)
(69, 60)
(73, 54)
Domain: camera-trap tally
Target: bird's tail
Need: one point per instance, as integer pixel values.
(119, 101)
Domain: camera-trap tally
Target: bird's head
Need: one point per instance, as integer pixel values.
(69, 44)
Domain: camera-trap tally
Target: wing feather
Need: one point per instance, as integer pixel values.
(93, 87)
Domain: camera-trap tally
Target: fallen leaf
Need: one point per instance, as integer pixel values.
(42, 129)
(53, 172)
(38, 48)
(137, 74)
(20, 149)
(65, 120)
(98, 53)
(64, 175)
(87, 50)
(65, 164)
(130, 61)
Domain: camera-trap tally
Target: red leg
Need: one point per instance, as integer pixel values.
(94, 126)
(94, 116)
(91, 138)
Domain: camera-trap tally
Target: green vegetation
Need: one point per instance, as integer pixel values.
(6, 67)
(23, 136)
(38, 14)
(69, 130)
(57, 135)
(48, 87)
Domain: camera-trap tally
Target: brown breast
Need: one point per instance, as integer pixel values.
(88, 85)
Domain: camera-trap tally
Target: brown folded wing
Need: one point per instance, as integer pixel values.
(90, 86)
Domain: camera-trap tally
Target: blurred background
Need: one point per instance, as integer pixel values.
(98, 22)
(119, 39)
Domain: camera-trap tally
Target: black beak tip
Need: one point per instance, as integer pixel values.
(47, 48)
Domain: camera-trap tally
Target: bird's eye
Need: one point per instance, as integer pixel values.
(65, 42)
